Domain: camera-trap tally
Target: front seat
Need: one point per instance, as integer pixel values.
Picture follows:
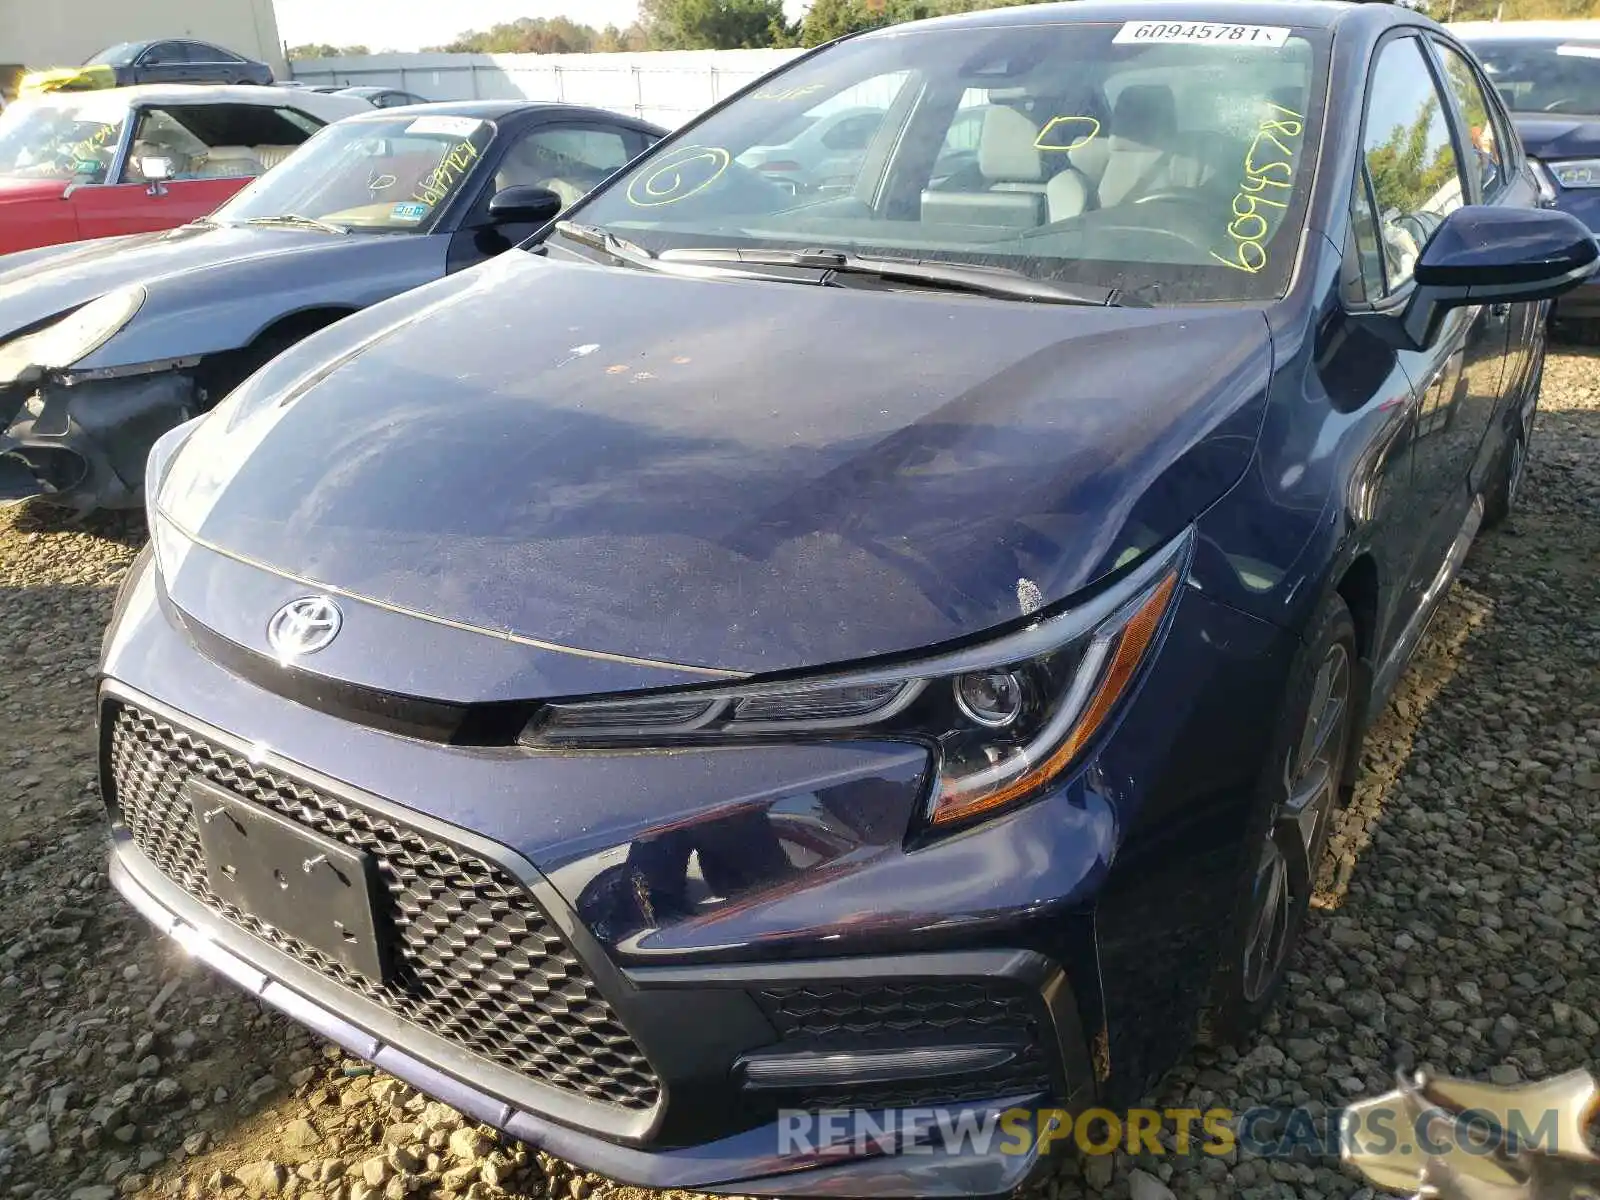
(1013, 172)
(1139, 158)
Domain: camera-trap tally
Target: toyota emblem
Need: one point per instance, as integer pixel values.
(304, 626)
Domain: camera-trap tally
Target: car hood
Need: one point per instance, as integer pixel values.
(42, 283)
(14, 189)
(744, 476)
(1555, 137)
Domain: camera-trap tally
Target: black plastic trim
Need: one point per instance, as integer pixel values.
(514, 1089)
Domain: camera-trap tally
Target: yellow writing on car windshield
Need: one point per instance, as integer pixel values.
(1265, 189)
(682, 173)
(792, 93)
(1067, 133)
(440, 181)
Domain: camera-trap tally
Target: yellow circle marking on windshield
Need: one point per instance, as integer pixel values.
(675, 179)
(1268, 180)
(1081, 131)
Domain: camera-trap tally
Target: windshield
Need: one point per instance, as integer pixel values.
(1558, 75)
(67, 138)
(119, 55)
(381, 176)
(1161, 159)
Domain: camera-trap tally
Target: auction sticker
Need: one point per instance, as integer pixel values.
(1205, 33)
(409, 212)
(456, 127)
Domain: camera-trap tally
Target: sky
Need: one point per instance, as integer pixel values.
(412, 24)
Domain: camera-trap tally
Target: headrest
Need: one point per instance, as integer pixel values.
(1006, 149)
(1145, 112)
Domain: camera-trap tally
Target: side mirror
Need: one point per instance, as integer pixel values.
(524, 204)
(1485, 255)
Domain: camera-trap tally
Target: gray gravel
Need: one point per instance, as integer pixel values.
(1458, 921)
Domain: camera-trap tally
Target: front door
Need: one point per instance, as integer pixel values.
(1488, 147)
(1413, 166)
(116, 209)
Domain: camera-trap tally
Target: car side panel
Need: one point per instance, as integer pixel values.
(32, 224)
(114, 209)
(240, 302)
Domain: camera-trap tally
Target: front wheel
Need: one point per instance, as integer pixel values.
(1305, 785)
(1500, 498)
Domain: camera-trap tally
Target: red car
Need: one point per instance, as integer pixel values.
(78, 165)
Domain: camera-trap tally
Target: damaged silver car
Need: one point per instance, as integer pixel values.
(106, 345)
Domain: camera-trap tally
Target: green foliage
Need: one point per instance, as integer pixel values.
(711, 24)
(1404, 176)
(829, 19)
(526, 35)
(323, 50)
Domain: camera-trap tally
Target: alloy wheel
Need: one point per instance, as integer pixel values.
(1286, 869)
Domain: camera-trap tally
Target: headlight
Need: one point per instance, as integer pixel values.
(1005, 718)
(1576, 172)
(77, 335)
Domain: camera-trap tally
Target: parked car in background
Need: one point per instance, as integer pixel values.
(816, 152)
(179, 60)
(383, 97)
(77, 165)
(1548, 72)
(128, 337)
(741, 655)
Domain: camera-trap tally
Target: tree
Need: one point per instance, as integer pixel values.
(711, 24)
(829, 19)
(622, 41)
(526, 35)
(323, 50)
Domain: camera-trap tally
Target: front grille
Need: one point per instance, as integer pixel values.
(477, 961)
(847, 1016)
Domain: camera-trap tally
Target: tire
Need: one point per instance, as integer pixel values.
(1500, 497)
(1304, 783)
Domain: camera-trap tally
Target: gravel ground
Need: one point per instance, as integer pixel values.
(1457, 925)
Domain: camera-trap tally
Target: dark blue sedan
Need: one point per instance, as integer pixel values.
(756, 651)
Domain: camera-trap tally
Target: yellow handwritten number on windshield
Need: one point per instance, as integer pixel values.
(1267, 184)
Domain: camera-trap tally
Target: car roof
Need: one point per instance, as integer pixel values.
(1517, 31)
(325, 108)
(1312, 13)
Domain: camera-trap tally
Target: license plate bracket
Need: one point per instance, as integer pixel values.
(308, 886)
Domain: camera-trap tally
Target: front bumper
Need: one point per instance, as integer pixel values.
(748, 1163)
(1088, 919)
(85, 446)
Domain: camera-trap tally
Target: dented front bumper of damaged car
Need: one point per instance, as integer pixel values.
(80, 441)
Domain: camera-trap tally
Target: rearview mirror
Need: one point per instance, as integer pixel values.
(1486, 255)
(524, 204)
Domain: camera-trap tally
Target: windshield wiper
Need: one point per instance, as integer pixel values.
(296, 221)
(964, 277)
(607, 243)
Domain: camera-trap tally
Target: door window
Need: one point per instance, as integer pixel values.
(1488, 150)
(568, 160)
(1416, 180)
(164, 54)
(1366, 274)
(215, 141)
